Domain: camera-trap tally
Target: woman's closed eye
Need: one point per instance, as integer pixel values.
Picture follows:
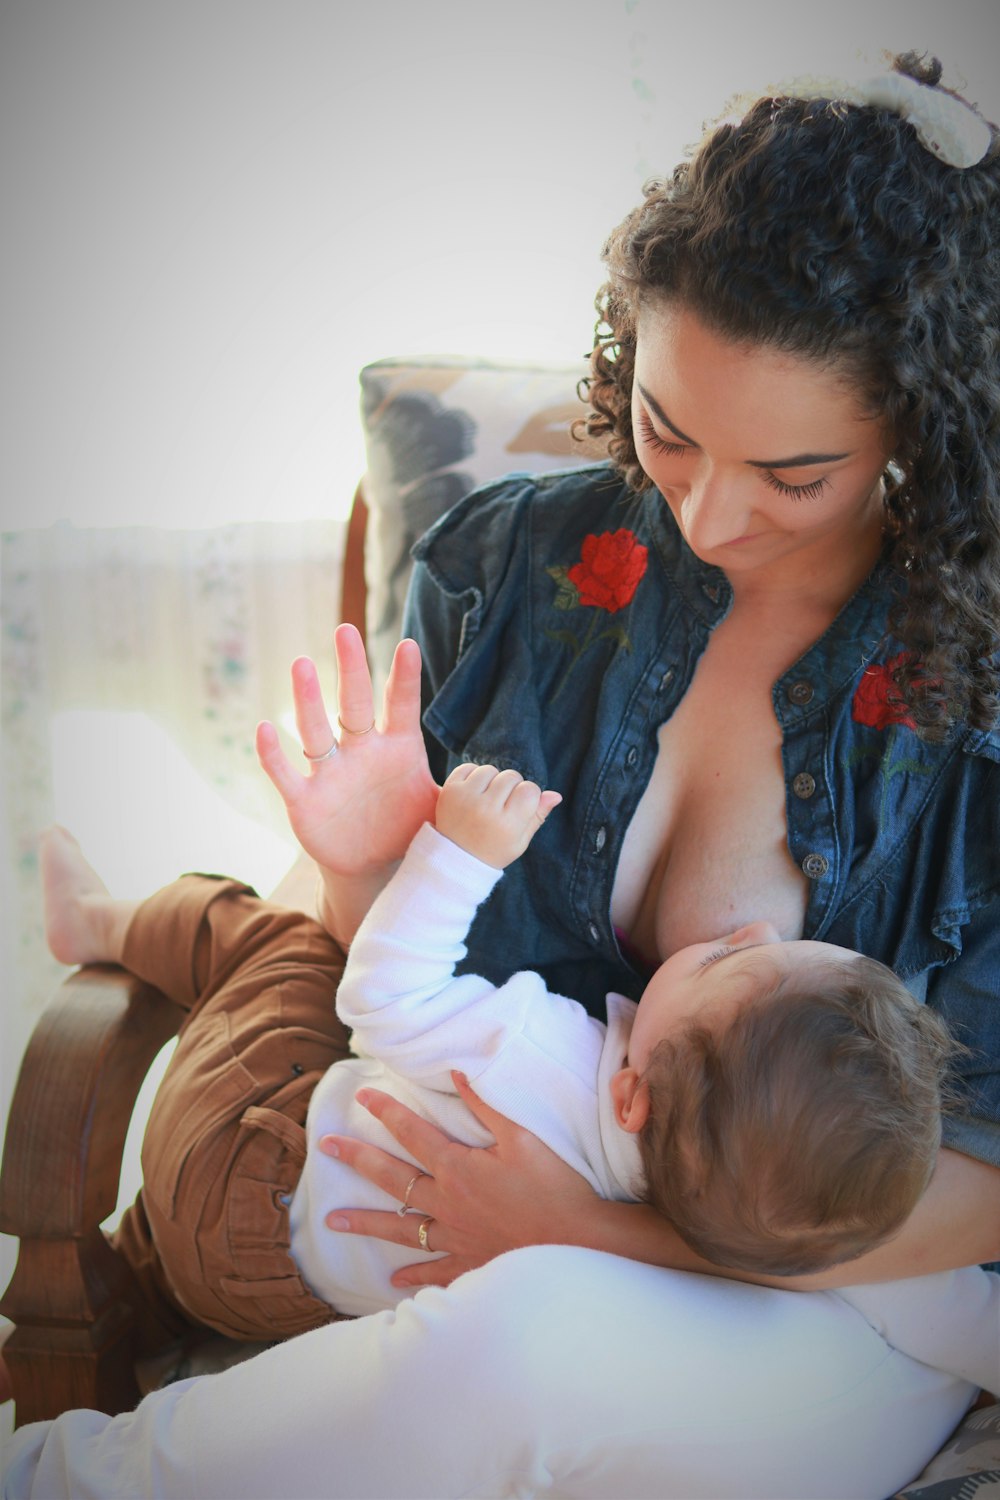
(809, 491)
(650, 436)
(658, 444)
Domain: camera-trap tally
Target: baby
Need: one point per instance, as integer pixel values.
(778, 1102)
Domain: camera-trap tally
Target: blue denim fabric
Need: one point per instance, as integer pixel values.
(900, 838)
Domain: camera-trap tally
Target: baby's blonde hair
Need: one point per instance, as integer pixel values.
(803, 1132)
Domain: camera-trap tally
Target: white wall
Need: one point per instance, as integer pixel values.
(216, 210)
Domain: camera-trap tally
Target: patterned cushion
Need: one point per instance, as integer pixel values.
(967, 1467)
(434, 430)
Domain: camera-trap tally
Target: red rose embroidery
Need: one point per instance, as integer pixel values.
(876, 699)
(605, 578)
(609, 569)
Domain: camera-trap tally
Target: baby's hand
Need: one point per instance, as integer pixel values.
(492, 814)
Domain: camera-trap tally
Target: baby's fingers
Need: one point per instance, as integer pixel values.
(546, 802)
(528, 801)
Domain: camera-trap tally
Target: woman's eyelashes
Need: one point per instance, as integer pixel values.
(796, 491)
(652, 439)
(660, 445)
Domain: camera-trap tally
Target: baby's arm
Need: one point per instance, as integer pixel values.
(399, 993)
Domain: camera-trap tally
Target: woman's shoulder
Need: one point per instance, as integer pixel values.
(984, 742)
(477, 537)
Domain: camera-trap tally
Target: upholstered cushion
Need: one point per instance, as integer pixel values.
(434, 430)
(967, 1467)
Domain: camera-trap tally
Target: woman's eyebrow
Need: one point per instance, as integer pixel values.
(661, 415)
(797, 461)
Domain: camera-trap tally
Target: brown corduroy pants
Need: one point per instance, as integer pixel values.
(208, 1237)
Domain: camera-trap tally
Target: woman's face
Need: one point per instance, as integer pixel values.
(768, 465)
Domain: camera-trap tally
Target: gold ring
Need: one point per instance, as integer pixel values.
(422, 1233)
(355, 731)
(403, 1208)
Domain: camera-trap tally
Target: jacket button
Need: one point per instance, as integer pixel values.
(600, 838)
(804, 785)
(815, 866)
(631, 757)
(800, 693)
(595, 932)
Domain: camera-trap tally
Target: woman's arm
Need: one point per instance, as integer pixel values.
(518, 1192)
(355, 812)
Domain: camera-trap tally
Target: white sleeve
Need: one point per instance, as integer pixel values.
(399, 994)
(950, 1321)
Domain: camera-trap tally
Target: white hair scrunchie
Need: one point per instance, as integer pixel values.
(945, 125)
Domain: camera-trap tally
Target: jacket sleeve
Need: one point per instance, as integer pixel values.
(434, 619)
(966, 994)
(460, 567)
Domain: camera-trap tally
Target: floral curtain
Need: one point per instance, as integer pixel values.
(196, 629)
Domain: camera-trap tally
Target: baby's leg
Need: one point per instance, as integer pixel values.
(225, 1142)
(207, 1239)
(84, 923)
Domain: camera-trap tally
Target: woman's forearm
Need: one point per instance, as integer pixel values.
(956, 1223)
(342, 902)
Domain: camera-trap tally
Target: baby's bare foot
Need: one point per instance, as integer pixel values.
(84, 923)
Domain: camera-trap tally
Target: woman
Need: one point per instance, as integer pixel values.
(766, 688)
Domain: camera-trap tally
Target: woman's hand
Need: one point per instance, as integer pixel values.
(482, 1201)
(355, 811)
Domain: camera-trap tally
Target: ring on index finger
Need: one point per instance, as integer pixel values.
(422, 1229)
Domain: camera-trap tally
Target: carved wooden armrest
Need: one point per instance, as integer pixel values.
(70, 1296)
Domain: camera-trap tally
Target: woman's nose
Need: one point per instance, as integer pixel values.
(712, 513)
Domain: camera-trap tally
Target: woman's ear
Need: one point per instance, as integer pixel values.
(630, 1098)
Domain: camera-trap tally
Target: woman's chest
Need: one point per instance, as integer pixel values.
(706, 850)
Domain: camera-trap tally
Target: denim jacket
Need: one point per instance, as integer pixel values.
(543, 656)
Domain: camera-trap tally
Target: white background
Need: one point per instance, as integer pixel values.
(216, 210)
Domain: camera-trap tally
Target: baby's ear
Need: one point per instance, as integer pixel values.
(630, 1098)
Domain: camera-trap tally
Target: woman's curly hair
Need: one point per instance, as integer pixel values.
(827, 230)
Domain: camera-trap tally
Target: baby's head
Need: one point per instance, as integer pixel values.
(787, 1100)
